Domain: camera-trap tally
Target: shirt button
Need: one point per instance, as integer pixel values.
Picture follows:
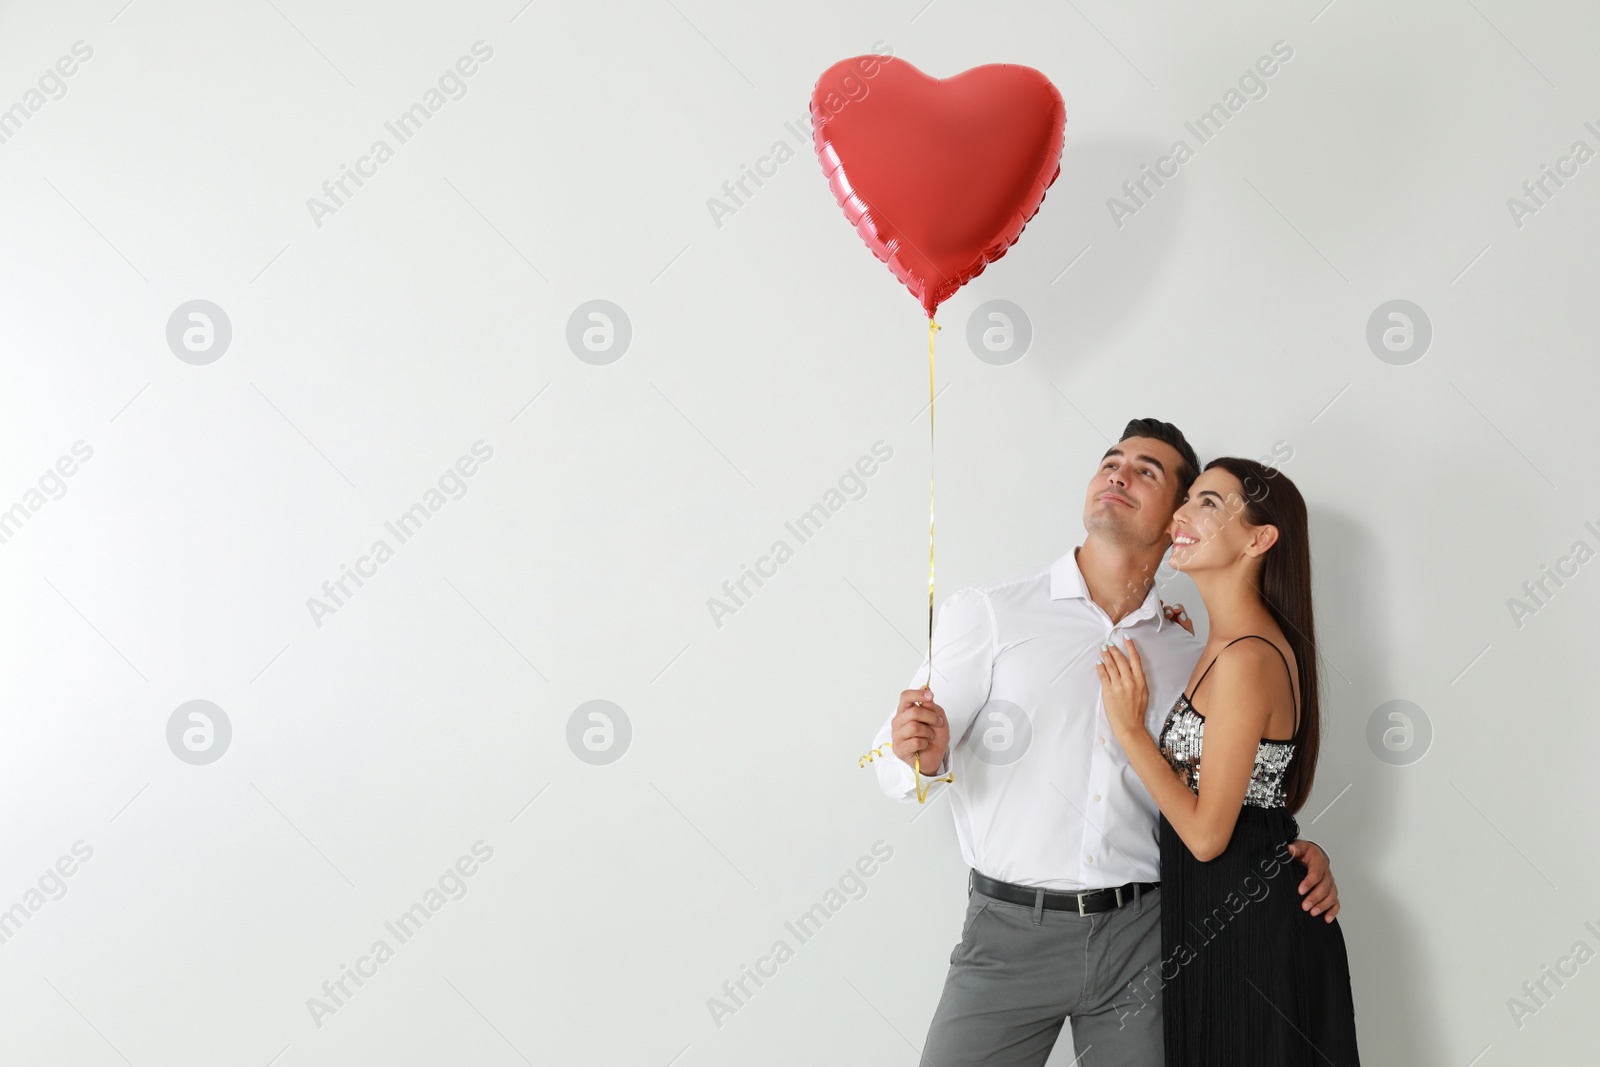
(1097, 796)
(1089, 858)
(1102, 740)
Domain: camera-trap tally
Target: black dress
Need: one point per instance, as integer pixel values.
(1248, 978)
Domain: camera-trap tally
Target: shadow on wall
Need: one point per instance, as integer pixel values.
(1073, 309)
(1397, 1019)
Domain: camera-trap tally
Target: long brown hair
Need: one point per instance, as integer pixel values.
(1284, 583)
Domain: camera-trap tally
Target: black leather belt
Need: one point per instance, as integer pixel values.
(1088, 902)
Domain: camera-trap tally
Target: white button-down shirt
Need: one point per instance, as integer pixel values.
(1043, 793)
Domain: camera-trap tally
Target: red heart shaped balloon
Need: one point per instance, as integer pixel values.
(938, 175)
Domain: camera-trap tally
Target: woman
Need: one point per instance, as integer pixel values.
(1248, 976)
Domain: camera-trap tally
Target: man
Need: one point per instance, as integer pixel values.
(1063, 916)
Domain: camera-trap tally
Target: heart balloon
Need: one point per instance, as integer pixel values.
(938, 175)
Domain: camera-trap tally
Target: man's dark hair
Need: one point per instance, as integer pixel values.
(1169, 434)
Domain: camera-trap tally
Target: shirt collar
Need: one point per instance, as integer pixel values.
(1066, 582)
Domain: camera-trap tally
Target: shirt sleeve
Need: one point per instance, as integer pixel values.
(964, 645)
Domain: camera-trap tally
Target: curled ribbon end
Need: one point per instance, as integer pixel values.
(916, 769)
(870, 756)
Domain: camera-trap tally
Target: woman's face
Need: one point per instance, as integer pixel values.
(1209, 529)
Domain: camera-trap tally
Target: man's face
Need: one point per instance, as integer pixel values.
(1131, 497)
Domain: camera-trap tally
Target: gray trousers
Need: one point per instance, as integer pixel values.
(1020, 972)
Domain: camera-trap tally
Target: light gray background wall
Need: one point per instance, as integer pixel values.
(429, 312)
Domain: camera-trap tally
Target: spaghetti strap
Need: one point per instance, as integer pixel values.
(1281, 656)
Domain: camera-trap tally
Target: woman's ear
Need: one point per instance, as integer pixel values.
(1261, 539)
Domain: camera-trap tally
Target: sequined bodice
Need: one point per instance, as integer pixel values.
(1182, 736)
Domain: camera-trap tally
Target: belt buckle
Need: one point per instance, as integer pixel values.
(1081, 912)
(1119, 896)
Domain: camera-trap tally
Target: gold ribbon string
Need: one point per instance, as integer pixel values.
(916, 759)
(933, 327)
